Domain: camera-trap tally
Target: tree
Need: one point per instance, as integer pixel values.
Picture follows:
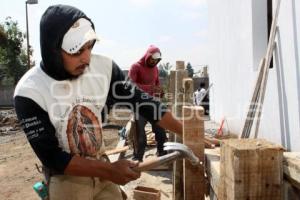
(164, 69)
(13, 59)
(3, 38)
(190, 70)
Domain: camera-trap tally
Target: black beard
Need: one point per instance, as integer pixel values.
(151, 66)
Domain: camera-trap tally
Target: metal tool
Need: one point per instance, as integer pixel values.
(184, 150)
(179, 151)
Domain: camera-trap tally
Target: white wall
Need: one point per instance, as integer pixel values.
(238, 40)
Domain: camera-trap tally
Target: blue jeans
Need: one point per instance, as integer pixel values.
(160, 137)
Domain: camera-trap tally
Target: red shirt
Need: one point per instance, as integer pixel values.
(145, 77)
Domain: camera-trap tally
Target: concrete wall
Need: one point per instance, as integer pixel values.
(238, 38)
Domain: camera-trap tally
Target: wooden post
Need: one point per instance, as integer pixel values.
(172, 87)
(291, 168)
(180, 74)
(250, 169)
(179, 65)
(188, 87)
(171, 98)
(179, 92)
(193, 137)
(131, 133)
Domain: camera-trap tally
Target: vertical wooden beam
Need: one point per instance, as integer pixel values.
(188, 87)
(179, 65)
(193, 137)
(171, 98)
(180, 74)
(179, 91)
(131, 135)
(171, 95)
(172, 86)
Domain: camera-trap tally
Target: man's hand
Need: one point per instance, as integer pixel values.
(122, 171)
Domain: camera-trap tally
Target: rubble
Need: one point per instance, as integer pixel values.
(8, 122)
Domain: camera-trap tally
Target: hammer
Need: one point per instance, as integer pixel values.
(179, 151)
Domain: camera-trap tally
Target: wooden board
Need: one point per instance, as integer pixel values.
(116, 157)
(290, 192)
(122, 143)
(178, 165)
(256, 103)
(250, 169)
(291, 167)
(188, 87)
(193, 137)
(116, 150)
(291, 171)
(212, 166)
(171, 98)
(179, 91)
(180, 65)
(146, 193)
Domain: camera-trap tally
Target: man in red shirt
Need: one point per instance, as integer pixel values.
(145, 75)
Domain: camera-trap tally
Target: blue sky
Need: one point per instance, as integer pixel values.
(127, 27)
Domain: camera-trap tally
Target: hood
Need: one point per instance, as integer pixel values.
(55, 22)
(151, 50)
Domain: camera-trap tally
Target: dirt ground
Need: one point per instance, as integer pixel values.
(18, 171)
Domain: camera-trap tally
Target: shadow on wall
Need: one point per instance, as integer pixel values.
(282, 97)
(295, 32)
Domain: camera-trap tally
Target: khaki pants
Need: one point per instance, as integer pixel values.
(63, 187)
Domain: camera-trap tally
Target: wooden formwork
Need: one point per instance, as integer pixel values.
(188, 180)
(250, 169)
(180, 74)
(193, 137)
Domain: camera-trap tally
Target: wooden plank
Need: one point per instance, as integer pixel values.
(122, 143)
(250, 169)
(180, 65)
(290, 192)
(291, 167)
(260, 88)
(188, 87)
(116, 150)
(180, 74)
(193, 137)
(253, 103)
(262, 92)
(116, 157)
(146, 193)
(171, 98)
(179, 91)
(131, 134)
(212, 166)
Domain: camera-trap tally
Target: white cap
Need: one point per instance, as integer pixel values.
(80, 33)
(156, 55)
